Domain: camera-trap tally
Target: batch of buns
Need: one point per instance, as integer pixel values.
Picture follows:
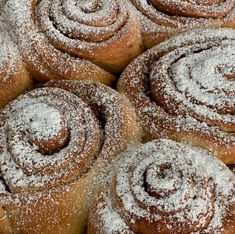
(117, 116)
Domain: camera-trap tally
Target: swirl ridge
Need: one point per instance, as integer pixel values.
(165, 187)
(55, 142)
(69, 39)
(185, 89)
(160, 19)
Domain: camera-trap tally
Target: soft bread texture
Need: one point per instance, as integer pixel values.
(184, 89)
(14, 78)
(165, 187)
(161, 19)
(68, 40)
(55, 145)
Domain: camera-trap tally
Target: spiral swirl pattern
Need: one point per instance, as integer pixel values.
(51, 136)
(74, 39)
(184, 88)
(165, 187)
(161, 18)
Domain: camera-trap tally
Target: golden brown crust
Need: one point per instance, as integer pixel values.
(48, 189)
(91, 40)
(174, 88)
(61, 210)
(161, 19)
(14, 79)
(165, 187)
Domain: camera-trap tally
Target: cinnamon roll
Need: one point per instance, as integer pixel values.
(54, 145)
(160, 19)
(14, 79)
(70, 39)
(184, 89)
(166, 187)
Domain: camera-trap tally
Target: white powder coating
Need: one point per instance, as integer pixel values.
(199, 201)
(44, 121)
(111, 221)
(22, 164)
(91, 119)
(186, 84)
(100, 124)
(167, 17)
(2, 3)
(8, 55)
(14, 78)
(197, 84)
(67, 39)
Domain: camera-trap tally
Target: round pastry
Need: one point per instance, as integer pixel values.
(160, 19)
(54, 145)
(165, 187)
(184, 89)
(72, 39)
(14, 79)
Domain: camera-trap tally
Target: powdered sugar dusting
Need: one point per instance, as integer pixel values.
(198, 202)
(198, 74)
(161, 19)
(111, 221)
(45, 169)
(8, 56)
(49, 128)
(2, 3)
(30, 166)
(45, 122)
(110, 105)
(184, 88)
(14, 79)
(73, 37)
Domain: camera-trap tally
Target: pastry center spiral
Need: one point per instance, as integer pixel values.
(161, 181)
(47, 128)
(198, 81)
(76, 22)
(164, 184)
(167, 187)
(50, 136)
